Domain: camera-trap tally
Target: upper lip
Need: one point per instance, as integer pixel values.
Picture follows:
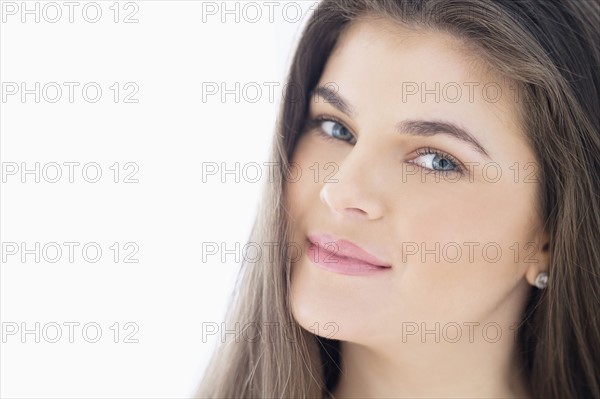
(345, 249)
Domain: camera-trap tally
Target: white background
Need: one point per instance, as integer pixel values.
(170, 54)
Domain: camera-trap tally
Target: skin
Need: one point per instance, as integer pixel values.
(376, 206)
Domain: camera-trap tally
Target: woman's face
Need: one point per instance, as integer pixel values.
(420, 160)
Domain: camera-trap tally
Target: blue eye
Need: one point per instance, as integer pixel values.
(331, 129)
(336, 130)
(437, 161)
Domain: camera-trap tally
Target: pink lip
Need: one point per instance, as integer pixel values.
(342, 256)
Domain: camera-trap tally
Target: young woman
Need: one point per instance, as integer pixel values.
(433, 228)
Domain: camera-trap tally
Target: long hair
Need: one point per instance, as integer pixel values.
(551, 49)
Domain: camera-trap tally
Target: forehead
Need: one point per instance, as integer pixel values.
(401, 47)
(421, 73)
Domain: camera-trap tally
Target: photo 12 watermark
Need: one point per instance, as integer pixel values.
(69, 172)
(68, 252)
(262, 332)
(69, 92)
(55, 12)
(71, 332)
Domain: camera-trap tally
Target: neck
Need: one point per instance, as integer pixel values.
(484, 368)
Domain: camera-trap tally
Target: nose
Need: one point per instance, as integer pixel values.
(355, 191)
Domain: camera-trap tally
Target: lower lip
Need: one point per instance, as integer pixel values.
(337, 264)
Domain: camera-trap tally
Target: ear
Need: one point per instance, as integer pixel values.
(537, 257)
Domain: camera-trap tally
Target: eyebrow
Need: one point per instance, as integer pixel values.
(411, 127)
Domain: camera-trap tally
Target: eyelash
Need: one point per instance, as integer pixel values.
(456, 162)
(317, 121)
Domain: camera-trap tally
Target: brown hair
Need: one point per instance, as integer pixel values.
(551, 49)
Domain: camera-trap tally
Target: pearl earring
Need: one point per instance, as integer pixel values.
(541, 281)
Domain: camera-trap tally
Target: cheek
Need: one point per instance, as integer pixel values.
(468, 243)
(464, 213)
(305, 180)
